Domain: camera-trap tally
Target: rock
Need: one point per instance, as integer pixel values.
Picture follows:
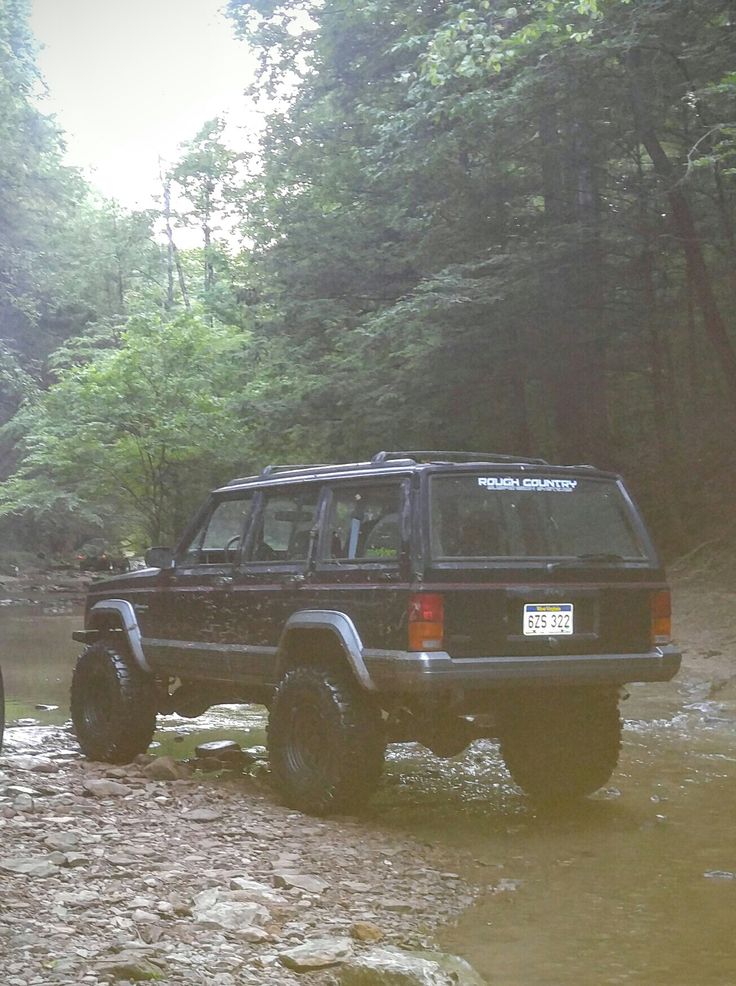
(202, 815)
(62, 841)
(246, 889)
(221, 750)
(400, 906)
(164, 769)
(461, 972)
(106, 789)
(366, 931)
(317, 954)
(140, 916)
(74, 859)
(132, 967)
(391, 967)
(29, 866)
(220, 908)
(310, 884)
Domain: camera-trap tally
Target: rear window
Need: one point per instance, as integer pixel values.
(475, 516)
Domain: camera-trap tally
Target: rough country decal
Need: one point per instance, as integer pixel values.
(527, 483)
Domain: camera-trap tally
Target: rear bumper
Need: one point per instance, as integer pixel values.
(407, 671)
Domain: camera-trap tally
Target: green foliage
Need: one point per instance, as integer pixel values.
(460, 231)
(126, 441)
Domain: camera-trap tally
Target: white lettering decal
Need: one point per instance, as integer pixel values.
(528, 483)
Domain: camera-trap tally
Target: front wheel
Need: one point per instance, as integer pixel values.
(561, 745)
(113, 704)
(325, 740)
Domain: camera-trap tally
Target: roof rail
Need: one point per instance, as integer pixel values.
(443, 456)
(268, 470)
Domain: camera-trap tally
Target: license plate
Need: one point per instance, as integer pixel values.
(547, 619)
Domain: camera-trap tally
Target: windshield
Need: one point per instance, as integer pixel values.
(480, 516)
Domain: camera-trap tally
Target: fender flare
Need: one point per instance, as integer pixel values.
(129, 627)
(338, 624)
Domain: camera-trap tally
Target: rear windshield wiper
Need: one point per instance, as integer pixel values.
(602, 556)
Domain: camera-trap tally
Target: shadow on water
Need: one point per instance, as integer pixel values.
(634, 886)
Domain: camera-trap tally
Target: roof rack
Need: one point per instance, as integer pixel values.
(388, 459)
(442, 456)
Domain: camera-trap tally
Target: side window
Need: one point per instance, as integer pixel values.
(364, 523)
(218, 539)
(285, 525)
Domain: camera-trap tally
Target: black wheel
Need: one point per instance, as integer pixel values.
(561, 745)
(325, 741)
(113, 704)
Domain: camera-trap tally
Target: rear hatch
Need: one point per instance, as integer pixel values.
(539, 561)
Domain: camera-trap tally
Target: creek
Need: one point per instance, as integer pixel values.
(634, 886)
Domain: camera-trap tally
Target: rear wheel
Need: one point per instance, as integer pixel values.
(561, 745)
(113, 704)
(325, 741)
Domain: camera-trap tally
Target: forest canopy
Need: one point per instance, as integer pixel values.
(467, 225)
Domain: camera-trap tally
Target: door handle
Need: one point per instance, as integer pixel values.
(224, 580)
(293, 581)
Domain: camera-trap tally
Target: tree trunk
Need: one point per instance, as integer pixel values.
(686, 231)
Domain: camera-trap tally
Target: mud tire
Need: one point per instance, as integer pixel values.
(113, 704)
(325, 740)
(561, 745)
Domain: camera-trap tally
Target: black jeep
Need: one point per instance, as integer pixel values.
(427, 596)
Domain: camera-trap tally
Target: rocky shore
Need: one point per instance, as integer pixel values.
(150, 872)
(158, 872)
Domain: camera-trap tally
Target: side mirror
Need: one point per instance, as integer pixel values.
(159, 558)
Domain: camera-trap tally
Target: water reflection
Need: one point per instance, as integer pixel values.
(633, 886)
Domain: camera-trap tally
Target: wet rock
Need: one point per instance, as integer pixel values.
(106, 789)
(460, 972)
(366, 931)
(317, 954)
(391, 967)
(220, 750)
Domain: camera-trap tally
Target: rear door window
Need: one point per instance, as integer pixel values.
(363, 523)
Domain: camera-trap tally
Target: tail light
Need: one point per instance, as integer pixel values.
(661, 613)
(426, 621)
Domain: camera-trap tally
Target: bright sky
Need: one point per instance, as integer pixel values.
(130, 80)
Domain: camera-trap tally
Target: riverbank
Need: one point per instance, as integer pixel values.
(150, 871)
(111, 874)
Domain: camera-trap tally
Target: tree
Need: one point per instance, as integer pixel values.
(205, 176)
(126, 442)
(455, 201)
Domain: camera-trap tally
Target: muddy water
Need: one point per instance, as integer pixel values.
(635, 886)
